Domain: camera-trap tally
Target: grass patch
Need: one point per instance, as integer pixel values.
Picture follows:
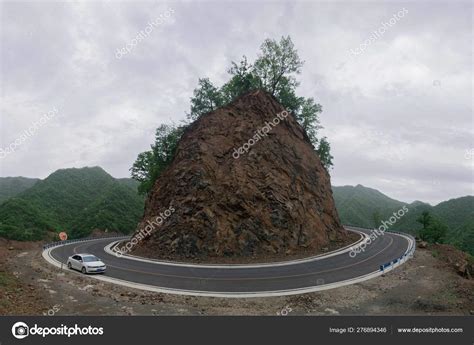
(448, 296)
(5, 279)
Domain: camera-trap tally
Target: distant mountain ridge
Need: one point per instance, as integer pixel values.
(74, 200)
(367, 207)
(11, 186)
(356, 205)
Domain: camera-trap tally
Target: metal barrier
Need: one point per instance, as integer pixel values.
(408, 253)
(59, 243)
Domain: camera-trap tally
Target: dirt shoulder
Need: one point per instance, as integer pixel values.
(19, 293)
(425, 285)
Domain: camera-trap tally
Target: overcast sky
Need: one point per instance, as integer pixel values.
(397, 111)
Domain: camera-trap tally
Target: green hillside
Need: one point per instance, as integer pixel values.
(22, 221)
(361, 206)
(129, 182)
(457, 213)
(12, 186)
(75, 200)
(119, 208)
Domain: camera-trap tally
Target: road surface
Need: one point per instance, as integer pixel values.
(319, 273)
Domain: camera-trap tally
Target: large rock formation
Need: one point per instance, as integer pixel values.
(274, 200)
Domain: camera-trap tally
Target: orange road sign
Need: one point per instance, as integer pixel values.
(63, 236)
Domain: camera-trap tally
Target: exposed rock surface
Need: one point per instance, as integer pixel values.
(276, 199)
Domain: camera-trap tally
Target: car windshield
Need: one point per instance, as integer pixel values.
(90, 258)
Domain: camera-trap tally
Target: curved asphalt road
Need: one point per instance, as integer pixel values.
(240, 281)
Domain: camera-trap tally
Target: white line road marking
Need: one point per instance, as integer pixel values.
(48, 257)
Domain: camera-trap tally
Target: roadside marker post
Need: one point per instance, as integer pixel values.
(63, 238)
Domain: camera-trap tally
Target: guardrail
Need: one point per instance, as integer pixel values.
(59, 243)
(408, 253)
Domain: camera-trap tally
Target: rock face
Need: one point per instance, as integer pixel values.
(275, 199)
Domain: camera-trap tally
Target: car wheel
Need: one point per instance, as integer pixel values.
(84, 270)
(69, 265)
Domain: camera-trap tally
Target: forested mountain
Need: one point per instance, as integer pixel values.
(359, 205)
(366, 207)
(11, 186)
(73, 200)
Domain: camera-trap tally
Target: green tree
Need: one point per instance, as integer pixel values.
(425, 219)
(324, 152)
(466, 237)
(433, 229)
(150, 164)
(206, 98)
(435, 232)
(308, 118)
(277, 64)
(243, 80)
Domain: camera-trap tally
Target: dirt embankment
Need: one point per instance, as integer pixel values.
(425, 285)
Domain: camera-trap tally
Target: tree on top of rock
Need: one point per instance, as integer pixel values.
(274, 71)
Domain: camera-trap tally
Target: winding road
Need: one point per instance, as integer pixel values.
(322, 272)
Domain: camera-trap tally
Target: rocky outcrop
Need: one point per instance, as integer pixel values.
(239, 190)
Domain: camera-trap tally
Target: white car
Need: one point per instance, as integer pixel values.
(86, 263)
